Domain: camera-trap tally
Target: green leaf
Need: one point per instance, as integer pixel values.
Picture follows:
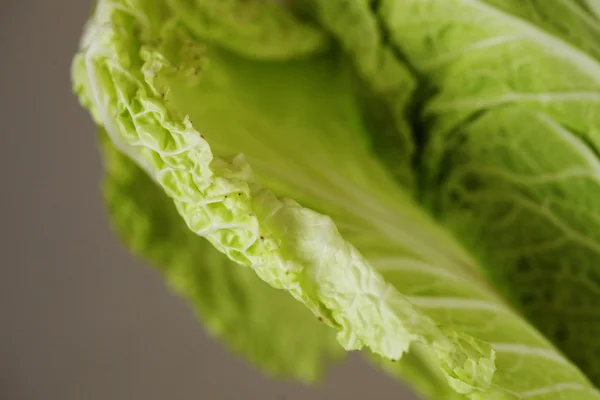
(267, 326)
(254, 28)
(421, 371)
(387, 82)
(592, 6)
(353, 246)
(512, 156)
(289, 246)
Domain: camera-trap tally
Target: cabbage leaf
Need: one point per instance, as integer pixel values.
(418, 174)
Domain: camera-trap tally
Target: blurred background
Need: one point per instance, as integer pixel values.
(81, 319)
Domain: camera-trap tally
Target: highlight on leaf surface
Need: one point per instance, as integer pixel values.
(421, 175)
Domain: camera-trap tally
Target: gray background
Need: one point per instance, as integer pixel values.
(80, 319)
